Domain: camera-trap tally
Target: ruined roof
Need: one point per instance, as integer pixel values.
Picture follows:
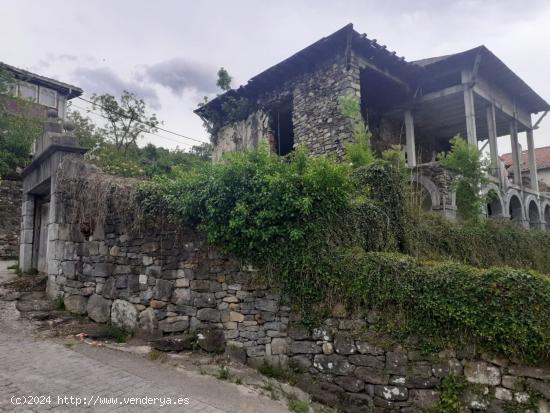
(412, 73)
(305, 60)
(492, 69)
(542, 157)
(65, 88)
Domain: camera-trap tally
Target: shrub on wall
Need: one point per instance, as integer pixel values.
(484, 243)
(502, 309)
(308, 222)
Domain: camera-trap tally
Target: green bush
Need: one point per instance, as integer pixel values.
(485, 243)
(308, 222)
(276, 213)
(502, 309)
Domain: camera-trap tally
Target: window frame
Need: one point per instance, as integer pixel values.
(36, 87)
(55, 97)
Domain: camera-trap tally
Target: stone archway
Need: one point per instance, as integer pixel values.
(533, 214)
(426, 193)
(495, 204)
(515, 209)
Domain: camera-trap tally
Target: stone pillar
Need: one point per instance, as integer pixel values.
(532, 161)
(516, 155)
(52, 251)
(410, 143)
(27, 233)
(469, 108)
(493, 144)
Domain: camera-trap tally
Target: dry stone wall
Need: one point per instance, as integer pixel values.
(10, 214)
(164, 283)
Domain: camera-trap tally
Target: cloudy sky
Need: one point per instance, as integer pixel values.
(168, 51)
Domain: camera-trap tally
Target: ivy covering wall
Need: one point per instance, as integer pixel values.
(314, 226)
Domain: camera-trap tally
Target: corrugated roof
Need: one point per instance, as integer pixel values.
(542, 157)
(65, 88)
(305, 60)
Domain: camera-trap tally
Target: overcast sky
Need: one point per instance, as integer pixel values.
(168, 52)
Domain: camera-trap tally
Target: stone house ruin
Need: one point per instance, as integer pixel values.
(420, 105)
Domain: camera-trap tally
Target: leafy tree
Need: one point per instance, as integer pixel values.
(17, 131)
(87, 132)
(127, 119)
(359, 153)
(224, 80)
(470, 169)
(133, 160)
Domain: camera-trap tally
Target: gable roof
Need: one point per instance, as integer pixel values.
(492, 69)
(305, 60)
(542, 157)
(64, 88)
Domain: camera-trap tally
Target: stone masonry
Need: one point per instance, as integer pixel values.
(317, 121)
(161, 282)
(10, 212)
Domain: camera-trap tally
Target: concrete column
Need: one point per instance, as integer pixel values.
(516, 156)
(469, 108)
(532, 161)
(53, 244)
(493, 145)
(410, 143)
(27, 233)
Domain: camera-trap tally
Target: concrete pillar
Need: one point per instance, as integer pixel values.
(469, 108)
(27, 233)
(516, 155)
(410, 143)
(53, 260)
(493, 144)
(532, 161)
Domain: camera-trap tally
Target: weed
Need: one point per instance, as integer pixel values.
(59, 304)
(298, 406)
(277, 373)
(155, 355)
(223, 373)
(116, 333)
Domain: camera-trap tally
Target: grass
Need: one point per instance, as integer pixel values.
(155, 355)
(298, 406)
(116, 333)
(223, 373)
(277, 373)
(59, 304)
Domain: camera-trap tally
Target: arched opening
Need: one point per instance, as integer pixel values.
(494, 205)
(424, 194)
(547, 216)
(534, 216)
(515, 209)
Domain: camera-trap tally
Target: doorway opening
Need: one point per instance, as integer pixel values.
(283, 128)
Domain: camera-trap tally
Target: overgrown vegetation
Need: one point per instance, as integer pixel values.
(310, 223)
(114, 332)
(298, 406)
(484, 244)
(18, 129)
(278, 373)
(232, 108)
(470, 169)
(114, 147)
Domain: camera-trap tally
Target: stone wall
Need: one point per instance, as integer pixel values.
(317, 121)
(350, 365)
(10, 213)
(160, 282)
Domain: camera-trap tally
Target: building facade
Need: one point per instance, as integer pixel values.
(419, 105)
